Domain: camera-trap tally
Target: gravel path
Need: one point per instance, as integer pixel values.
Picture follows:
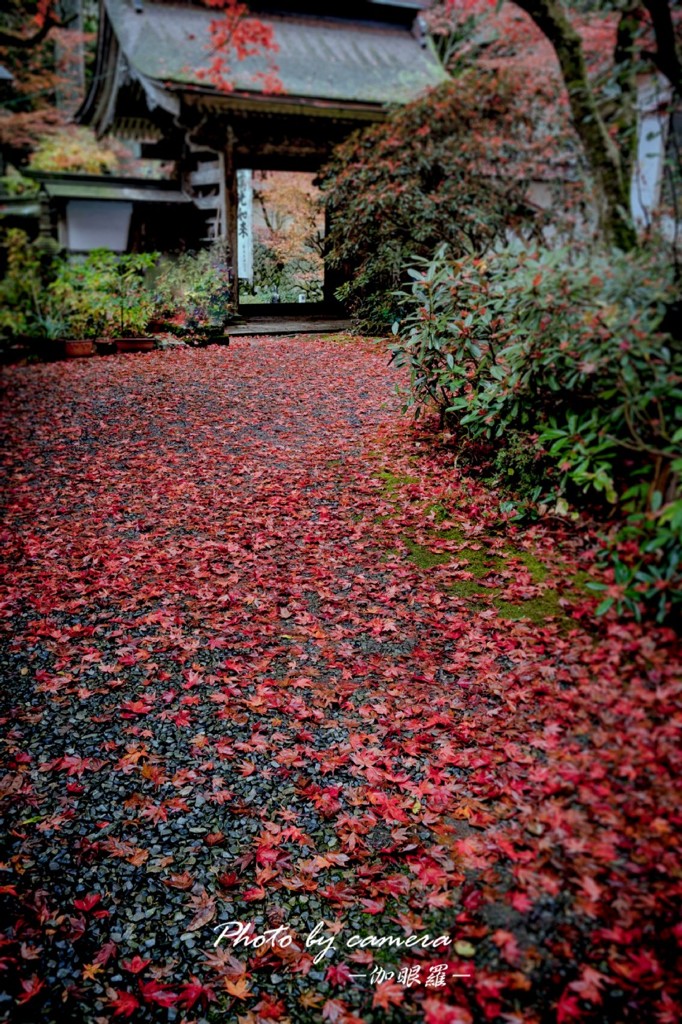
(231, 693)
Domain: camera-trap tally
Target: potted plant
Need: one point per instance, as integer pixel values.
(58, 329)
(78, 305)
(132, 305)
(25, 319)
(119, 299)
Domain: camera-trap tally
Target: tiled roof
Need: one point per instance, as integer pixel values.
(322, 58)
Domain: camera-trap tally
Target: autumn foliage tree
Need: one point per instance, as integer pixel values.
(40, 48)
(451, 167)
(288, 235)
(27, 50)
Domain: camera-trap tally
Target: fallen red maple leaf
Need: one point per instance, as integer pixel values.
(86, 903)
(135, 965)
(387, 994)
(158, 992)
(193, 992)
(30, 987)
(124, 1003)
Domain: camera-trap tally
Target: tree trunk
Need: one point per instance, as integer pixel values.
(667, 56)
(624, 58)
(611, 183)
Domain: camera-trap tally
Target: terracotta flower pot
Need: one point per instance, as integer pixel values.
(78, 349)
(135, 344)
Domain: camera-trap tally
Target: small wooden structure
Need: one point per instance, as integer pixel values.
(338, 70)
(81, 212)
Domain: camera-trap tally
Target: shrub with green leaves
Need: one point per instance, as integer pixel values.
(288, 278)
(101, 294)
(20, 287)
(565, 349)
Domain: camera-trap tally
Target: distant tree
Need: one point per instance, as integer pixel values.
(77, 150)
(13, 31)
(292, 223)
(41, 51)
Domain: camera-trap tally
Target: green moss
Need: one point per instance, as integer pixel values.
(537, 569)
(482, 562)
(454, 533)
(466, 588)
(393, 481)
(538, 609)
(579, 581)
(423, 557)
(439, 511)
(340, 337)
(389, 554)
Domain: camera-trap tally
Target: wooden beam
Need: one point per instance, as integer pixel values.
(232, 212)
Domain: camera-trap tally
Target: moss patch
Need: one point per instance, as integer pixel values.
(423, 557)
(482, 562)
(468, 588)
(537, 569)
(440, 512)
(394, 482)
(538, 609)
(579, 581)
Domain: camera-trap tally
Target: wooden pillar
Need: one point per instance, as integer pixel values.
(333, 278)
(232, 213)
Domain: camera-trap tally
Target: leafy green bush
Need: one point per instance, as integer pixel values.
(564, 348)
(20, 287)
(426, 176)
(197, 285)
(120, 280)
(645, 554)
(103, 293)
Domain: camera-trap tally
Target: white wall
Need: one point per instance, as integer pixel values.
(653, 112)
(97, 224)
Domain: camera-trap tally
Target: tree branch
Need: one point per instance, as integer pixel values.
(18, 41)
(624, 64)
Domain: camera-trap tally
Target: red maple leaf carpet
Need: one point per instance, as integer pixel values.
(269, 658)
